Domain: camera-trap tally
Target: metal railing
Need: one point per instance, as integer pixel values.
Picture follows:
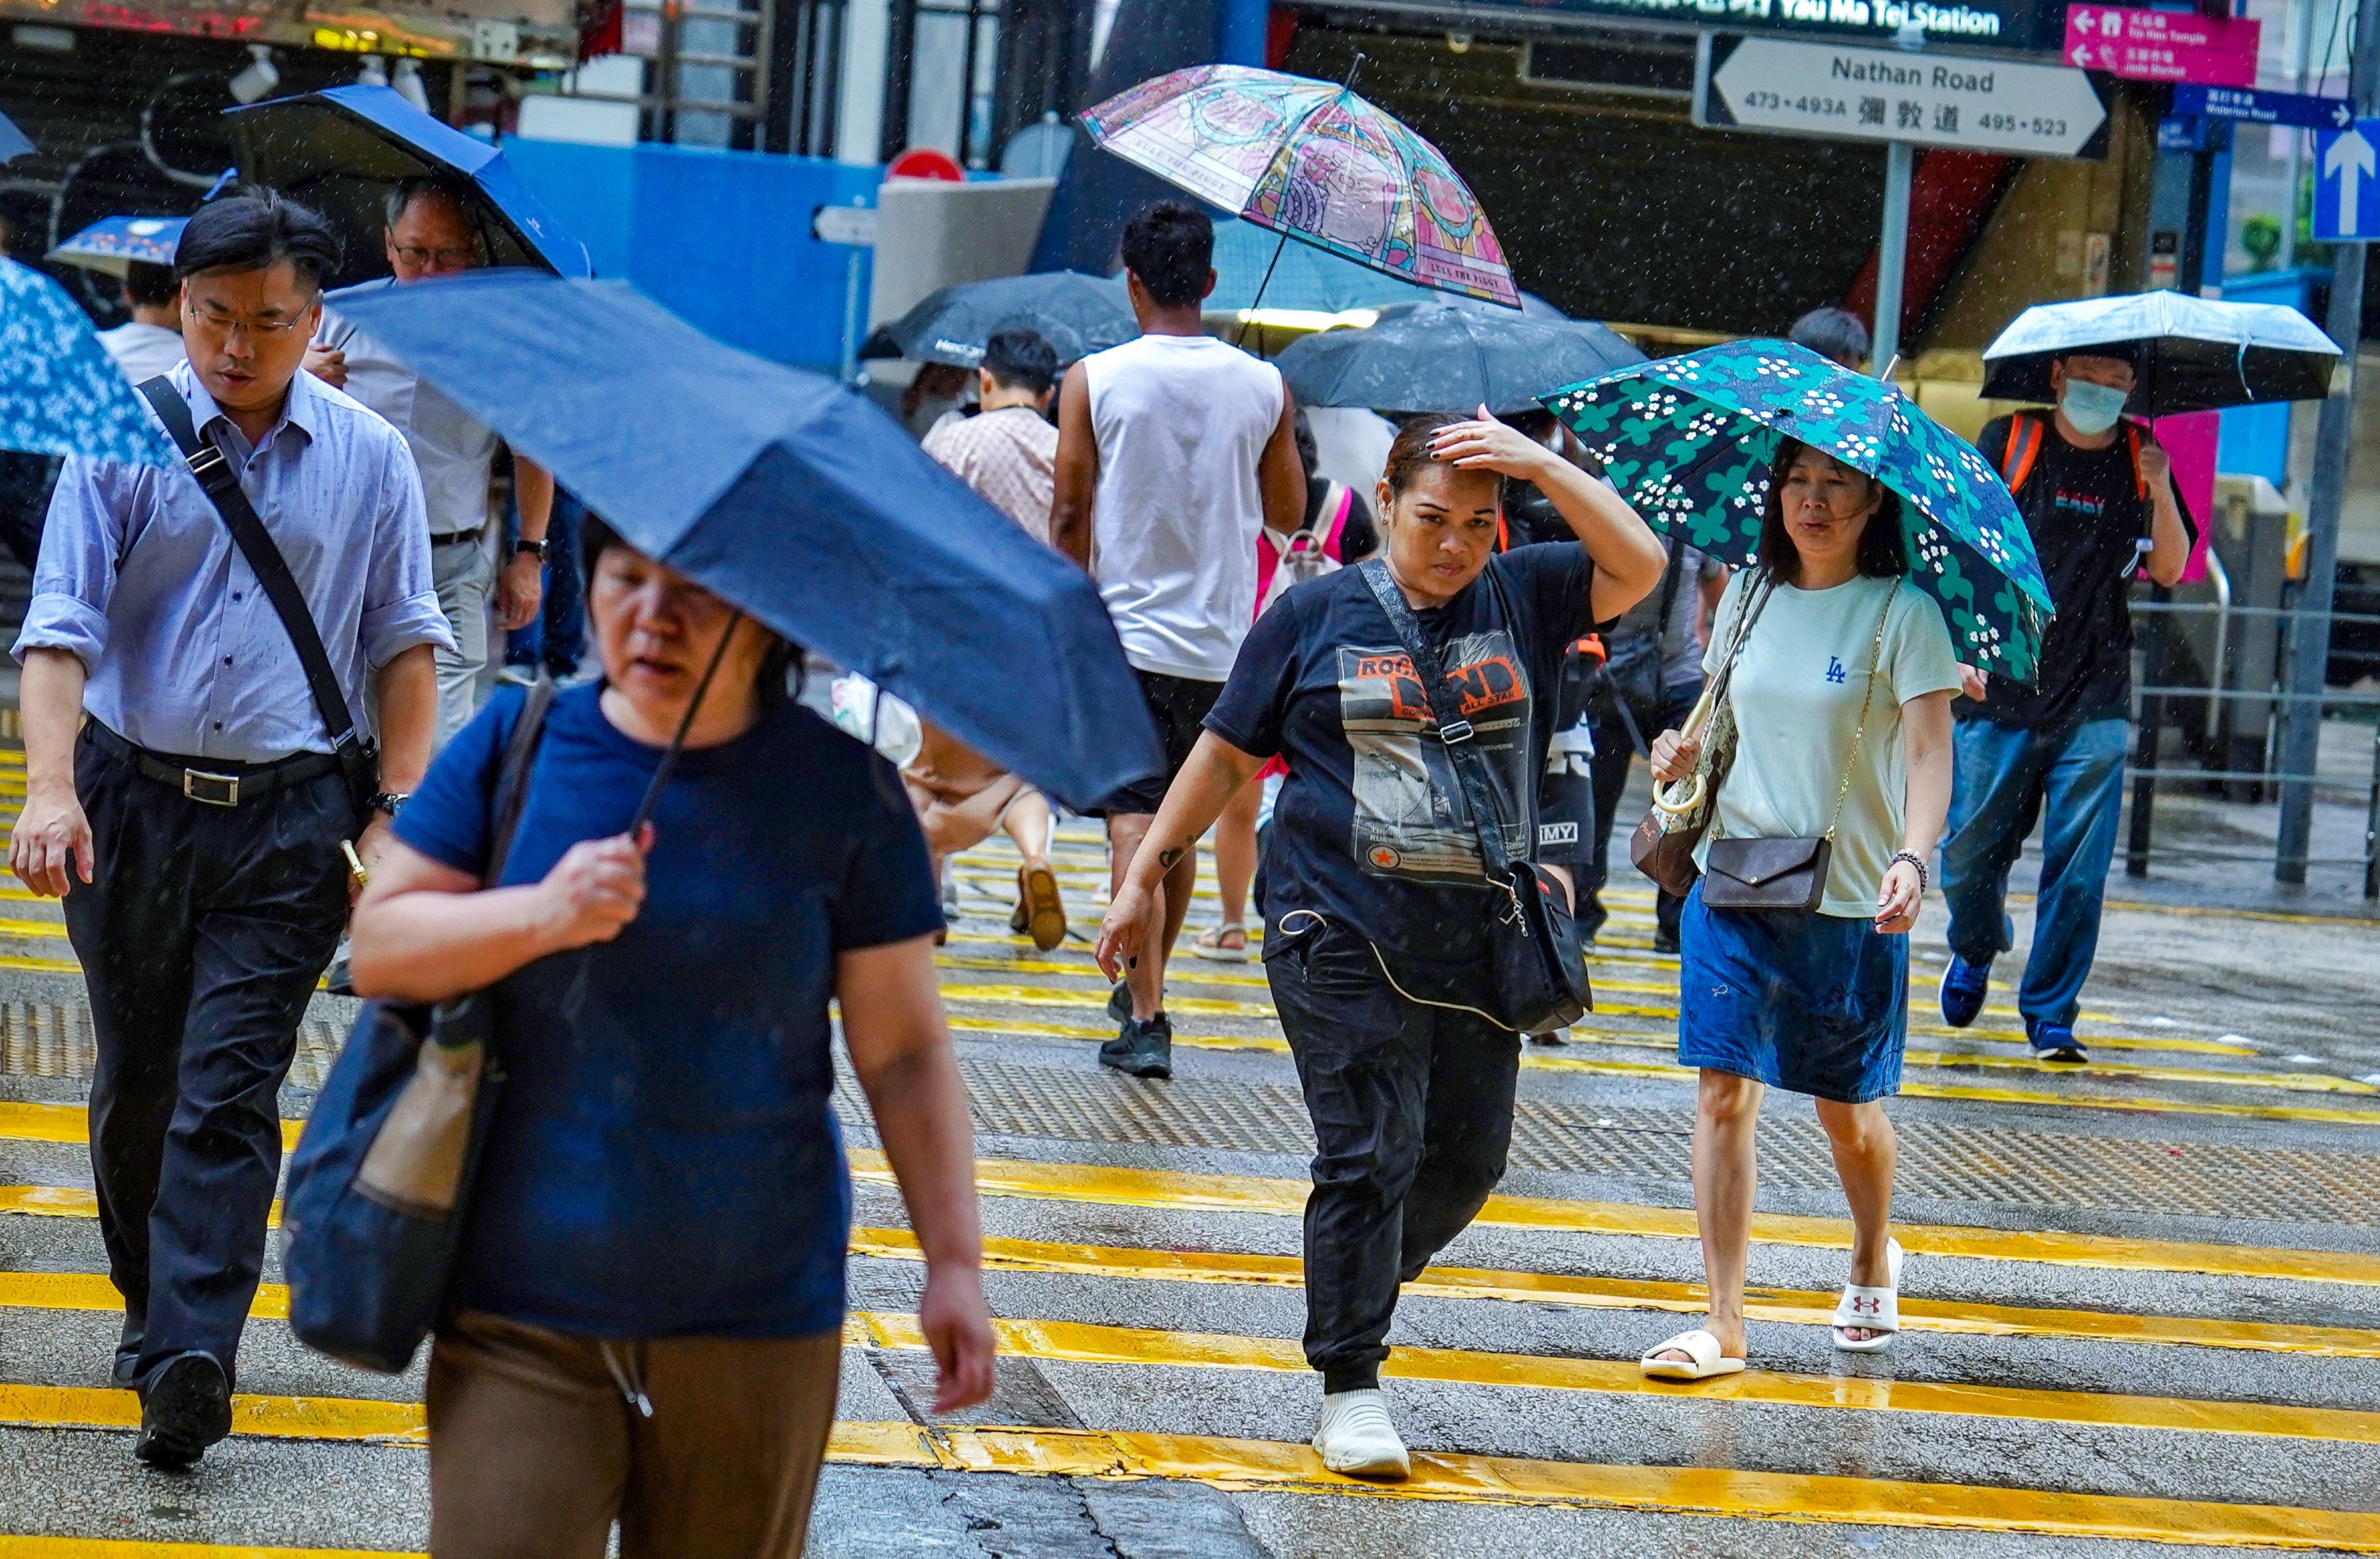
(2151, 767)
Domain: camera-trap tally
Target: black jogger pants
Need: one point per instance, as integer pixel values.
(1413, 1115)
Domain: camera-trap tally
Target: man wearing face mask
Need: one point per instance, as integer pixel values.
(2098, 495)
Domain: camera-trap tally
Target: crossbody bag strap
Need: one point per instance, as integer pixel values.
(1454, 731)
(512, 780)
(220, 482)
(1762, 585)
(1875, 665)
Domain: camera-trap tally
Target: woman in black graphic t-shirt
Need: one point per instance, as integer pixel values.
(1375, 904)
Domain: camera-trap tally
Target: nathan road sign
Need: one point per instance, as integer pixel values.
(1792, 88)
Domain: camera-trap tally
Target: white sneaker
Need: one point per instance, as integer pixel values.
(1357, 1437)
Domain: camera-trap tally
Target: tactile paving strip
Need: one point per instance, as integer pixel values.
(53, 1039)
(1974, 1164)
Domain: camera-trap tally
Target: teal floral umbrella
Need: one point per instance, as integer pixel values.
(1688, 440)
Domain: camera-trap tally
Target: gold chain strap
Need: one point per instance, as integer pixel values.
(1874, 662)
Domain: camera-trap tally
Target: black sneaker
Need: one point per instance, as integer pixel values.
(1120, 1001)
(1141, 1049)
(1665, 940)
(186, 1408)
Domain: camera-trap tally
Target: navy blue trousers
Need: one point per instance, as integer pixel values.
(202, 937)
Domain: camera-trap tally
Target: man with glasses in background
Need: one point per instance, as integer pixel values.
(193, 822)
(432, 233)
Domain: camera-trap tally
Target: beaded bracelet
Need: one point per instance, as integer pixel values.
(1915, 860)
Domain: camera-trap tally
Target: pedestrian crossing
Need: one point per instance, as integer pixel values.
(2211, 1393)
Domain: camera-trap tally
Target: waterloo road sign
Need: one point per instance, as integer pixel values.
(2261, 108)
(1889, 94)
(2145, 45)
(2347, 183)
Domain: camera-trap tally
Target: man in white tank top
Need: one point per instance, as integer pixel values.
(1172, 451)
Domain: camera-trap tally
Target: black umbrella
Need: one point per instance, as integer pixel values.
(1442, 357)
(1079, 314)
(2188, 354)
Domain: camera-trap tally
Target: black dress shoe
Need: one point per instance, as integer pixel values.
(186, 1408)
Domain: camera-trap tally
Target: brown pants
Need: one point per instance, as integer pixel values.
(535, 1449)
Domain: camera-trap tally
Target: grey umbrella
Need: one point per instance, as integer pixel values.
(1443, 356)
(1079, 314)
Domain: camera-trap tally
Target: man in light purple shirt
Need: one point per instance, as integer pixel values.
(193, 822)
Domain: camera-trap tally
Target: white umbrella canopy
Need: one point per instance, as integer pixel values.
(2190, 354)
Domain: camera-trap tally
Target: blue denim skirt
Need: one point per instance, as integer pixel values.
(1817, 1004)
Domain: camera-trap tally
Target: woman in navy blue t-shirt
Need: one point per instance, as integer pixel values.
(1376, 905)
(646, 1322)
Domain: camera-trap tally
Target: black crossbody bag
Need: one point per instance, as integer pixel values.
(357, 753)
(1534, 972)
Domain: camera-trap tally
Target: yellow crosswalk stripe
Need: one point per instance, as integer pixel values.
(1794, 1307)
(1176, 1190)
(1077, 1342)
(1260, 1464)
(71, 1123)
(123, 1548)
(1081, 1342)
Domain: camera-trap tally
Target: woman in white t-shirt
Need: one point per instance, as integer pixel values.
(1842, 698)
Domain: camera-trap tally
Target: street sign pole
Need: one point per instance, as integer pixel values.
(2334, 443)
(1891, 257)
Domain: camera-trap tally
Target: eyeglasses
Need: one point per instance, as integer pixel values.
(445, 259)
(225, 326)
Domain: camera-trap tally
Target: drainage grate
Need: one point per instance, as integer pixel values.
(1972, 1164)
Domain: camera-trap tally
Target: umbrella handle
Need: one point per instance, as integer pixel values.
(1666, 798)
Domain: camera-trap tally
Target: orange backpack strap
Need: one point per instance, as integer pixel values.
(2132, 434)
(2023, 447)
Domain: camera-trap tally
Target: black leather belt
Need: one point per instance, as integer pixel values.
(220, 782)
(453, 536)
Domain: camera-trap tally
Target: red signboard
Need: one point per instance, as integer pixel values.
(2142, 45)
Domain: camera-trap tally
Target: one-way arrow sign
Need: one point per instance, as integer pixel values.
(1890, 94)
(2347, 198)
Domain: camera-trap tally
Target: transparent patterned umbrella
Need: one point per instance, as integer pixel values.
(1314, 162)
(1688, 440)
(60, 392)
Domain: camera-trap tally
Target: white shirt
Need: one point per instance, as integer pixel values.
(1181, 421)
(142, 351)
(453, 451)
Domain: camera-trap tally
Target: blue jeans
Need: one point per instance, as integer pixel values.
(2005, 777)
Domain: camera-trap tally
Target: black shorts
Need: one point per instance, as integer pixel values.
(1178, 706)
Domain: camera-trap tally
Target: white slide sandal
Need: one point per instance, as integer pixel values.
(1703, 1361)
(1872, 1309)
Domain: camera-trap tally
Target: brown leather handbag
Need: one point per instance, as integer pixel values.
(1664, 844)
(1790, 874)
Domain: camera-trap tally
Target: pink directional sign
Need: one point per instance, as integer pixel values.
(2144, 46)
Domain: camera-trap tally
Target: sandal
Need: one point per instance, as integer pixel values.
(1222, 944)
(1039, 911)
(1871, 1310)
(1703, 1361)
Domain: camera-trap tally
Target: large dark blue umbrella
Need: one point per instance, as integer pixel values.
(1078, 314)
(1443, 356)
(795, 500)
(341, 148)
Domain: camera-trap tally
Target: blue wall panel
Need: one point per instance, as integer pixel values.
(722, 239)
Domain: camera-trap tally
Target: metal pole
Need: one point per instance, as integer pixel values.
(2334, 443)
(1892, 255)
